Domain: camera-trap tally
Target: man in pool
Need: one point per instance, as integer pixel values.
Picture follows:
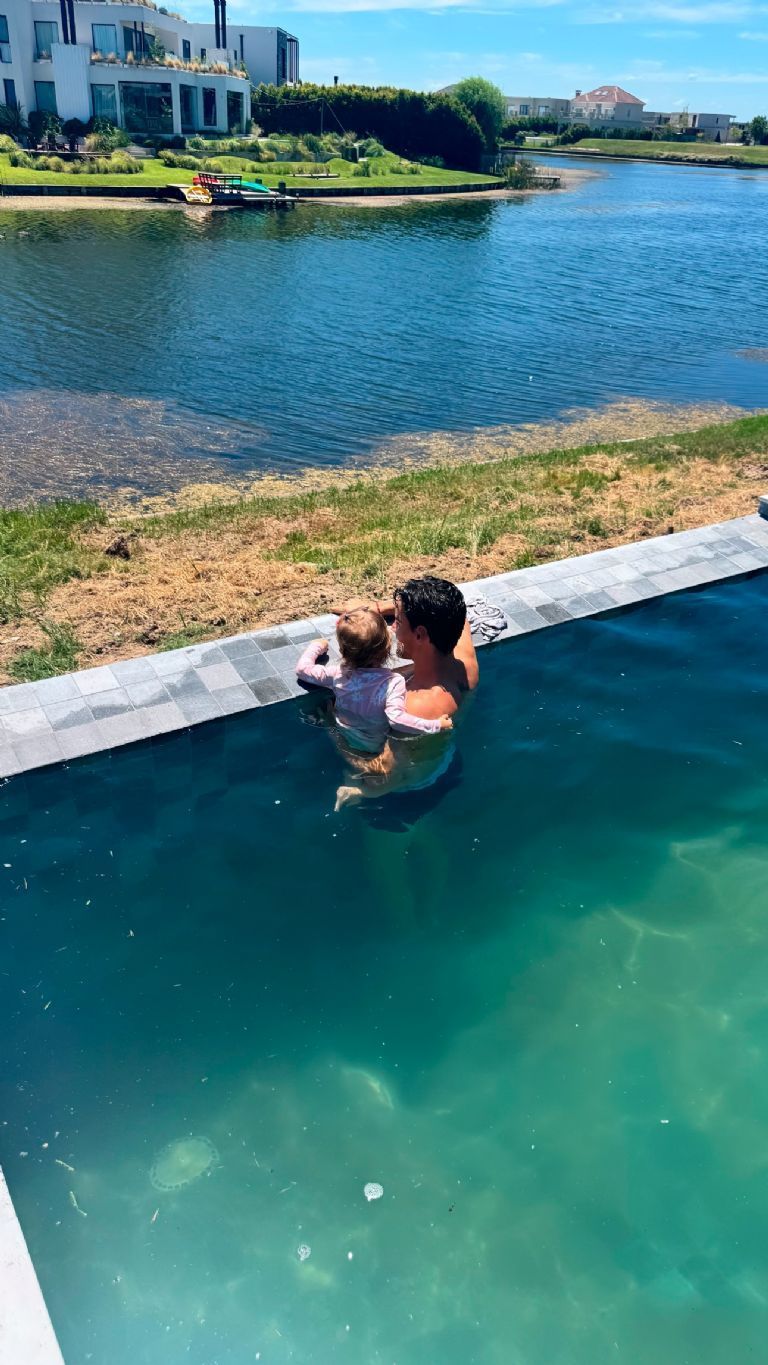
(432, 631)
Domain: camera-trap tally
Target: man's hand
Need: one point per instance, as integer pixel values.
(356, 603)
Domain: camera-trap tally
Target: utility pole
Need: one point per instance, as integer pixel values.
(322, 111)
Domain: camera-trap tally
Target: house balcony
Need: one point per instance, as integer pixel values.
(169, 62)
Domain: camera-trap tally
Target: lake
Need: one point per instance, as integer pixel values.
(146, 349)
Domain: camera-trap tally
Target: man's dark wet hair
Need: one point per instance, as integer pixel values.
(438, 606)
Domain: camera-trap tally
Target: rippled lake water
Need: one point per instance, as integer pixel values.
(532, 1011)
(149, 348)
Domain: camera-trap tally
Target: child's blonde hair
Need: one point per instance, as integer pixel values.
(363, 638)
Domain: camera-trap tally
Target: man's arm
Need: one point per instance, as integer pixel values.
(385, 609)
(466, 659)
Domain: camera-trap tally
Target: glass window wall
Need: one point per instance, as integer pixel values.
(209, 107)
(45, 97)
(104, 38)
(188, 101)
(46, 34)
(147, 107)
(104, 99)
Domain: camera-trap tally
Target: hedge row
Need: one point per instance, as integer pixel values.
(412, 124)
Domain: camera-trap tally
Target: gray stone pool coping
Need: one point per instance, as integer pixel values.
(103, 708)
(76, 714)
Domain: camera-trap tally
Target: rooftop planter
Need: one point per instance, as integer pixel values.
(169, 62)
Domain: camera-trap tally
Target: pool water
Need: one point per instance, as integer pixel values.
(530, 1005)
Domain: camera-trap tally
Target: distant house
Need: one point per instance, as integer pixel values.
(608, 104)
(537, 106)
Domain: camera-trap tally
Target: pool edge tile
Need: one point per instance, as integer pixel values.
(199, 683)
(26, 1332)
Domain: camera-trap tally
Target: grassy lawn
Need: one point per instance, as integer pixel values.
(235, 564)
(732, 152)
(155, 173)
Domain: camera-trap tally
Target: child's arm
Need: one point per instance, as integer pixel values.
(309, 670)
(401, 720)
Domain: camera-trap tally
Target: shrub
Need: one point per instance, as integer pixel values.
(55, 164)
(7, 143)
(372, 148)
(42, 124)
(211, 164)
(436, 161)
(105, 138)
(123, 164)
(198, 143)
(20, 158)
(267, 155)
(522, 175)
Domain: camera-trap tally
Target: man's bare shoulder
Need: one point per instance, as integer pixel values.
(430, 703)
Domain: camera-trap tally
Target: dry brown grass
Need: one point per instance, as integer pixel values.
(209, 579)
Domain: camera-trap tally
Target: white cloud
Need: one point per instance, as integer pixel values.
(711, 12)
(751, 37)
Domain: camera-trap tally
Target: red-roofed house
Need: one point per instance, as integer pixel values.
(608, 104)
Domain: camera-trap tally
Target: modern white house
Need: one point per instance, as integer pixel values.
(142, 67)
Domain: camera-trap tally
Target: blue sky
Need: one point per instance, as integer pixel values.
(710, 57)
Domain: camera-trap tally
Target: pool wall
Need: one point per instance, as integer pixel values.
(83, 713)
(103, 708)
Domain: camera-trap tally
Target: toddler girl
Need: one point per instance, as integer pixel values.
(369, 697)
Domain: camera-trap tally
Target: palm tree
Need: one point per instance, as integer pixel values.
(13, 121)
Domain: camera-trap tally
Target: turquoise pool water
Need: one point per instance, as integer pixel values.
(532, 1010)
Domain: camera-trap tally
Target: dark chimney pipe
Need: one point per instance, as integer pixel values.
(72, 29)
(64, 22)
(216, 22)
(223, 4)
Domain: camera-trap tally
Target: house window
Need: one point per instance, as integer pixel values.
(104, 100)
(104, 38)
(45, 97)
(46, 34)
(136, 42)
(188, 108)
(203, 53)
(5, 50)
(186, 50)
(209, 107)
(523, 108)
(9, 90)
(147, 106)
(234, 111)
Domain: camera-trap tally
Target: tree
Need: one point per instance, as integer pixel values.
(758, 129)
(13, 121)
(43, 124)
(407, 122)
(486, 102)
(73, 129)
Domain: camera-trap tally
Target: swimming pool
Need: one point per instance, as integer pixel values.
(532, 1010)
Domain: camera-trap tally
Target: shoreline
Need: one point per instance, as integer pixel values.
(86, 584)
(698, 163)
(572, 178)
